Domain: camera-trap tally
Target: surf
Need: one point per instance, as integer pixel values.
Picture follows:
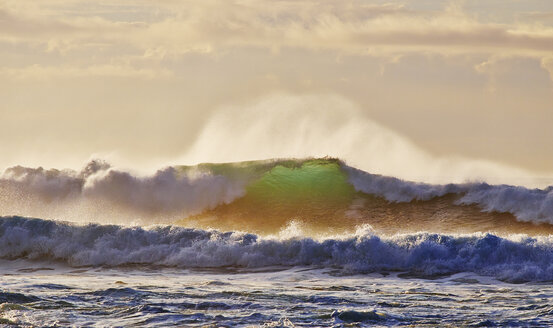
(514, 259)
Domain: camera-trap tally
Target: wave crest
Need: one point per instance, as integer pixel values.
(531, 205)
(272, 191)
(514, 259)
(100, 191)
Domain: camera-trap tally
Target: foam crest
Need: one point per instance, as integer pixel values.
(531, 205)
(100, 191)
(165, 191)
(397, 190)
(517, 258)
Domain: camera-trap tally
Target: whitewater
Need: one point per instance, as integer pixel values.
(278, 243)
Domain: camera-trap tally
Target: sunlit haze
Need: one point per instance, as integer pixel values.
(459, 89)
(276, 163)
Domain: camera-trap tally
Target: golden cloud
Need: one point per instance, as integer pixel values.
(154, 30)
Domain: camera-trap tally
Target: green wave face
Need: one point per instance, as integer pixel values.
(317, 195)
(313, 181)
(313, 191)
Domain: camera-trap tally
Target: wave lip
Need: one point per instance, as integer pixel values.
(101, 191)
(530, 205)
(517, 259)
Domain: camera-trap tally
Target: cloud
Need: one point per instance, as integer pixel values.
(37, 72)
(354, 26)
(547, 64)
(168, 29)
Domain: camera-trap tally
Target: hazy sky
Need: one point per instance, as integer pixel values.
(140, 81)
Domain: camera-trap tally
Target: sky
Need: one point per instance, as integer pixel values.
(393, 86)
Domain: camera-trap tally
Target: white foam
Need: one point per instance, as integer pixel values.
(533, 205)
(102, 193)
(517, 258)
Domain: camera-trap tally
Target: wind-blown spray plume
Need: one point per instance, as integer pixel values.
(286, 126)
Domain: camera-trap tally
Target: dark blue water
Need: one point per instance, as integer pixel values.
(38, 295)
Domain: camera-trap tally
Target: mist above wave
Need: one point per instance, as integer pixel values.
(294, 126)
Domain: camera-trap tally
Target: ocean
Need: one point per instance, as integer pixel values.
(274, 243)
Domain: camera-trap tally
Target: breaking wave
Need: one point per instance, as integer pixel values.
(526, 204)
(264, 196)
(102, 193)
(514, 259)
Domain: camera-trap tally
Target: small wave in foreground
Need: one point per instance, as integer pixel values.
(514, 259)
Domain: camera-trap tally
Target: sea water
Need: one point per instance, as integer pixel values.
(45, 295)
(277, 243)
